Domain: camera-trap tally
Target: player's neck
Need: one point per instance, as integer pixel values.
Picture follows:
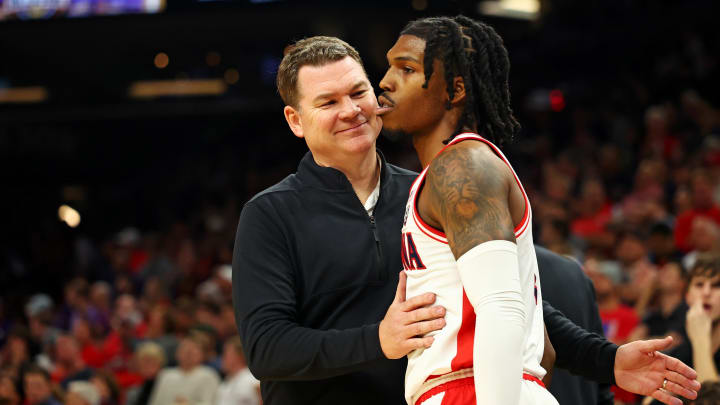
(429, 143)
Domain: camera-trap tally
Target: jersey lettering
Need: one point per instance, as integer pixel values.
(410, 257)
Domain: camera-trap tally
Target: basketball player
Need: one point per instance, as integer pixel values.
(467, 228)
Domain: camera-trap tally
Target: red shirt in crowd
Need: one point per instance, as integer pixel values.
(683, 225)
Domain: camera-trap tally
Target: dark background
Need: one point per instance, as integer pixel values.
(154, 164)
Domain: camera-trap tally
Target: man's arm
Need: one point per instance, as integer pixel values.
(637, 367)
(577, 350)
(467, 194)
(265, 302)
(605, 396)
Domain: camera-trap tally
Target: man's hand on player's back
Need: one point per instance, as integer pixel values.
(406, 321)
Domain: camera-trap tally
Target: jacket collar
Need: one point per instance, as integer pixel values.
(329, 178)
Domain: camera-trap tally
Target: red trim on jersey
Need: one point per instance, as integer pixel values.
(464, 382)
(465, 337)
(429, 230)
(534, 379)
(460, 382)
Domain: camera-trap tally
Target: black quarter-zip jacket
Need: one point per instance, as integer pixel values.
(313, 276)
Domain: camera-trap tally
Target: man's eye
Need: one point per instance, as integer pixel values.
(327, 103)
(408, 69)
(359, 93)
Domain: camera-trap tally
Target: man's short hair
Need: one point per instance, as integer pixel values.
(707, 265)
(313, 51)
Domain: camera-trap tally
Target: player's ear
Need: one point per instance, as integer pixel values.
(292, 116)
(458, 91)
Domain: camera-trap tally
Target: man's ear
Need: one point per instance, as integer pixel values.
(292, 116)
(458, 91)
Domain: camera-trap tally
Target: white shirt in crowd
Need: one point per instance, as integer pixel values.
(240, 389)
(175, 387)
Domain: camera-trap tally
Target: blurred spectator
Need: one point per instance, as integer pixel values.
(661, 245)
(702, 340)
(239, 386)
(84, 333)
(217, 288)
(183, 314)
(39, 313)
(127, 327)
(150, 359)
(638, 272)
(555, 235)
(69, 365)
(161, 328)
(618, 319)
(101, 297)
(594, 213)
(107, 387)
(38, 389)
(704, 238)
(82, 393)
(9, 389)
(644, 205)
(668, 318)
(702, 206)
(76, 302)
(16, 352)
(191, 382)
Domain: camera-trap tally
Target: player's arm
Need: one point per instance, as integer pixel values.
(468, 193)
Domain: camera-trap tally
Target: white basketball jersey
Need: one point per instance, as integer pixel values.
(431, 267)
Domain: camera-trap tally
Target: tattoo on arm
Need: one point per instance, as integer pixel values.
(469, 197)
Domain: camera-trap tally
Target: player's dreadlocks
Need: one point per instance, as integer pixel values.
(476, 52)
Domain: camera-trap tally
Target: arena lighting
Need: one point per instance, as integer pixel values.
(69, 215)
(161, 60)
(212, 58)
(557, 100)
(520, 9)
(34, 94)
(177, 88)
(232, 76)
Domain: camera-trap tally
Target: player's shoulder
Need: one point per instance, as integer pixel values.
(474, 161)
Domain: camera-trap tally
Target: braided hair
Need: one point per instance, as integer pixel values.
(473, 50)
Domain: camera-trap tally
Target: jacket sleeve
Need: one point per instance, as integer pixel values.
(579, 351)
(266, 309)
(605, 396)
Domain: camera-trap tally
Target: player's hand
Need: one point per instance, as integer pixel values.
(698, 324)
(641, 368)
(407, 321)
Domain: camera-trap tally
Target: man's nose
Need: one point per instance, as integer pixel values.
(349, 108)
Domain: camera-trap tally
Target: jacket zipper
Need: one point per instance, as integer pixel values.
(373, 225)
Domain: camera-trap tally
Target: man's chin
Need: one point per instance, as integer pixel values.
(393, 135)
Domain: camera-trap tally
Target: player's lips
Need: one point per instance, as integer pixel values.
(707, 307)
(346, 130)
(385, 104)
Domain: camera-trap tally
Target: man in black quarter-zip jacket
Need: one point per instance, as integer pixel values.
(317, 256)
(318, 301)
